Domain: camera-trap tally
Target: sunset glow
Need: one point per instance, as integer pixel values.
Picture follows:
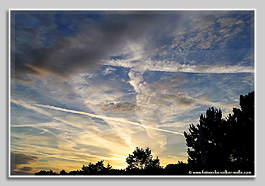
(94, 85)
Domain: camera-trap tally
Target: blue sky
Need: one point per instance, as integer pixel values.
(93, 85)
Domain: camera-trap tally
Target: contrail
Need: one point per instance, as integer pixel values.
(105, 118)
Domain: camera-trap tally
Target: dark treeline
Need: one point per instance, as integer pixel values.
(140, 162)
(216, 144)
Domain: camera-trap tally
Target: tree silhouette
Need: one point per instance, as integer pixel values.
(243, 138)
(177, 169)
(43, 172)
(97, 168)
(63, 172)
(141, 160)
(219, 144)
(206, 141)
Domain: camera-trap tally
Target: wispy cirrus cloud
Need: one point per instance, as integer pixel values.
(120, 120)
(172, 66)
(69, 139)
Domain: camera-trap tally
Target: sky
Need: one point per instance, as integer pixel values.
(94, 85)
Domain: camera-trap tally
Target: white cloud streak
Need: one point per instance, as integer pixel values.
(122, 120)
(172, 66)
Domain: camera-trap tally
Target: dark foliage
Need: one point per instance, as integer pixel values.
(206, 141)
(97, 168)
(63, 172)
(223, 144)
(141, 162)
(177, 169)
(243, 136)
(43, 172)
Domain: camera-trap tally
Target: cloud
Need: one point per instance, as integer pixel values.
(108, 70)
(172, 66)
(65, 135)
(123, 107)
(25, 169)
(51, 156)
(205, 37)
(225, 107)
(133, 35)
(93, 42)
(122, 120)
(119, 136)
(161, 101)
(20, 159)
